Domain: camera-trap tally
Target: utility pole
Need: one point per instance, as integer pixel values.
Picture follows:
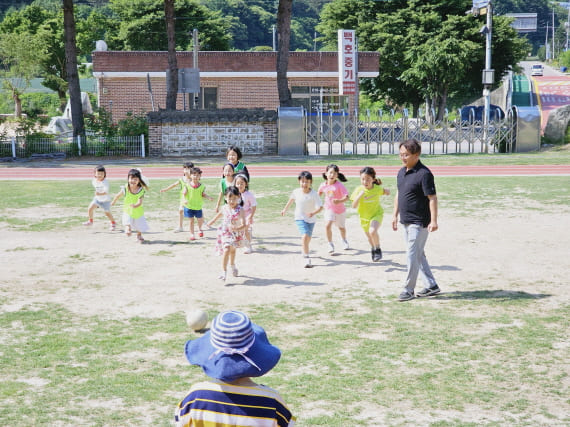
(488, 77)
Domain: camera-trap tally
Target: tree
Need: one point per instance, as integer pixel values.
(172, 80)
(284, 33)
(71, 67)
(19, 54)
(142, 25)
(430, 51)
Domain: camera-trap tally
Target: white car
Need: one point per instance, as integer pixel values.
(536, 70)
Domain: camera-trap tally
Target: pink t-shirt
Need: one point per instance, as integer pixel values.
(334, 191)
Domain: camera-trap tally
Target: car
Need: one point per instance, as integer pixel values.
(536, 70)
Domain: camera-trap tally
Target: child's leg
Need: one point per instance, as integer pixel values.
(342, 232)
(128, 230)
(233, 261)
(110, 216)
(328, 230)
(139, 237)
(305, 240)
(191, 226)
(200, 223)
(373, 233)
(90, 210)
(370, 240)
(225, 259)
(181, 218)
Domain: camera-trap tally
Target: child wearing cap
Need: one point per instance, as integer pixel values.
(231, 352)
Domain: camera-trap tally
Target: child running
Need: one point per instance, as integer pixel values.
(182, 182)
(249, 208)
(194, 193)
(366, 198)
(233, 155)
(335, 211)
(307, 205)
(230, 232)
(226, 181)
(102, 198)
(133, 211)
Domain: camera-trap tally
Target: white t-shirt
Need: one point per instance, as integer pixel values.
(305, 203)
(101, 187)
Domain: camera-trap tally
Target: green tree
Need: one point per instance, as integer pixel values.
(430, 51)
(142, 25)
(19, 54)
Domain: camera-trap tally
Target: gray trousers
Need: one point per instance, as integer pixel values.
(416, 238)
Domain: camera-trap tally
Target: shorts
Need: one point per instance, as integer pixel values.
(106, 206)
(305, 227)
(338, 219)
(192, 213)
(365, 222)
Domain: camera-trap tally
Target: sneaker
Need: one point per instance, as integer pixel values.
(222, 275)
(427, 292)
(373, 254)
(234, 270)
(192, 237)
(345, 245)
(247, 250)
(112, 226)
(201, 234)
(89, 222)
(179, 230)
(307, 262)
(377, 256)
(331, 248)
(405, 296)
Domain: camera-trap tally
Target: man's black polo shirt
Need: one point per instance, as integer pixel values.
(413, 188)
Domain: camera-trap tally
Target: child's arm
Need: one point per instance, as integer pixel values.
(356, 200)
(241, 225)
(214, 219)
(289, 202)
(219, 201)
(137, 204)
(171, 186)
(249, 218)
(119, 194)
(386, 191)
(312, 214)
(341, 200)
(207, 197)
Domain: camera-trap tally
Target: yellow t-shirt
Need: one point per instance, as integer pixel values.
(369, 205)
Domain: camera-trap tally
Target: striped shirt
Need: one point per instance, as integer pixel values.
(215, 403)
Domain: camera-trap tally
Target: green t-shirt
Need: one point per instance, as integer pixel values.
(369, 205)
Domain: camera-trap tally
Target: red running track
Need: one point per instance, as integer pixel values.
(158, 172)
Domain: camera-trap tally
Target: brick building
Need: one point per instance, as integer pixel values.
(227, 80)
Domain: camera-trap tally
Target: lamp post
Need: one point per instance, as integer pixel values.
(488, 77)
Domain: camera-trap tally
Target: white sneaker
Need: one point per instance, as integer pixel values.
(222, 275)
(179, 230)
(345, 245)
(331, 248)
(234, 270)
(247, 250)
(307, 262)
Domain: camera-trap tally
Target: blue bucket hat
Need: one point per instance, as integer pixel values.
(233, 348)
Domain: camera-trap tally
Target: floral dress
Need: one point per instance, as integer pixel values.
(226, 237)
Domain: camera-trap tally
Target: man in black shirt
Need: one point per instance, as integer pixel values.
(416, 203)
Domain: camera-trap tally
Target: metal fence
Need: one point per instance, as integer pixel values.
(380, 133)
(91, 145)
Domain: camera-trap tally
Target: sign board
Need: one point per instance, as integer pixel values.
(188, 80)
(524, 22)
(347, 62)
(478, 4)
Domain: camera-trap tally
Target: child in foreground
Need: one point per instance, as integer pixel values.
(133, 211)
(230, 232)
(307, 205)
(102, 198)
(335, 211)
(249, 208)
(182, 182)
(194, 193)
(366, 199)
(232, 352)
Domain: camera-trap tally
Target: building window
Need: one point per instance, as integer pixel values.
(318, 98)
(208, 98)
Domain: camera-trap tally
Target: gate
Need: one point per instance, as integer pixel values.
(338, 133)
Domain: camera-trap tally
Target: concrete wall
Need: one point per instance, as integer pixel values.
(208, 133)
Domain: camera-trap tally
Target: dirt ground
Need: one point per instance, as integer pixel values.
(91, 270)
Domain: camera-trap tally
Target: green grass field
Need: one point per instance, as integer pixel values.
(470, 358)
